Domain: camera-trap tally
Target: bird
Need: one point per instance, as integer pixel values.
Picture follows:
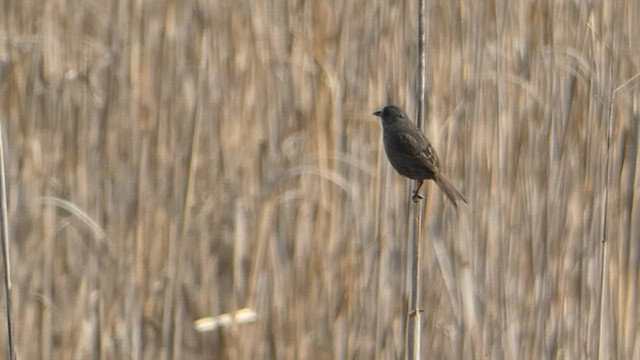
(411, 154)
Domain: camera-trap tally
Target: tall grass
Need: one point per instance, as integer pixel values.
(176, 160)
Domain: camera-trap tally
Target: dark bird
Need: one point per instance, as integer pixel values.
(411, 154)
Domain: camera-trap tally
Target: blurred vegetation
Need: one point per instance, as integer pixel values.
(169, 161)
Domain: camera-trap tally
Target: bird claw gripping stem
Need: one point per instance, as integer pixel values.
(416, 193)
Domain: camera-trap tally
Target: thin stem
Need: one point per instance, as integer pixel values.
(414, 313)
(5, 248)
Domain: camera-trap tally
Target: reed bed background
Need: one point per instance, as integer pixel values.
(172, 160)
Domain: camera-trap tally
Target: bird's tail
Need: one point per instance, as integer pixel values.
(449, 190)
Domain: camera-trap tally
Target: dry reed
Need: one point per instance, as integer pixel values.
(177, 160)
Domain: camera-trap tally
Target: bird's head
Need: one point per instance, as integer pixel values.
(390, 114)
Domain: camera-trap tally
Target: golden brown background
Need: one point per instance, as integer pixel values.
(171, 160)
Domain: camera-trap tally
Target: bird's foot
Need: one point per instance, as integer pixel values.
(416, 193)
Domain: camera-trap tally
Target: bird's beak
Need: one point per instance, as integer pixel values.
(377, 113)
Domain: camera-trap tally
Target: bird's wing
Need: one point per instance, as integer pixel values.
(416, 145)
(429, 157)
(408, 145)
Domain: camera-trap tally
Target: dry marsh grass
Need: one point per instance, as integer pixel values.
(168, 161)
